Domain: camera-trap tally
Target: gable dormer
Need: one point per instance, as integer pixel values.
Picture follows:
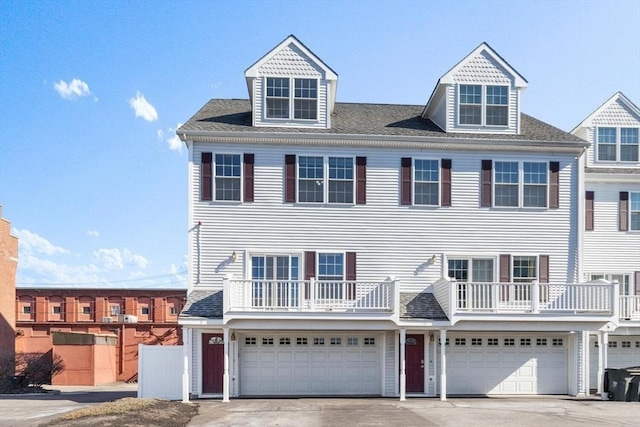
(480, 94)
(291, 87)
(614, 133)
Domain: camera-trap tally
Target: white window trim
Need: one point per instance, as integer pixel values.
(330, 252)
(483, 106)
(292, 98)
(214, 176)
(618, 144)
(521, 185)
(275, 253)
(607, 276)
(512, 263)
(325, 180)
(470, 259)
(414, 182)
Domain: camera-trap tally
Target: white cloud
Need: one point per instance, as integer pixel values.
(173, 141)
(93, 233)
(72, 90)
(33, 243)
(143, 108)
(114, 259)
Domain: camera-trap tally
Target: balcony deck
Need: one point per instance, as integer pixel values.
(310, 296)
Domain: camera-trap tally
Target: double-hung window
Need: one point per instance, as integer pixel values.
(525, 269)
(325, 179)
(306, 99)
(497, 109)
(227, 176)
(618, 144)
(426, 179)
(483, 105)
(277, 98)
(527, 178)
(506, 184)
(281, 105)
(470, 105)
(330, 275)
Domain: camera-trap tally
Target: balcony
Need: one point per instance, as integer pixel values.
(630, 307)
(590, 299)
(310, 296)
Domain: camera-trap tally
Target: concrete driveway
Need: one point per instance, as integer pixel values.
(537, 411)
(32, 409)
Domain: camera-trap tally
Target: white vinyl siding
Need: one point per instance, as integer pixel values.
(606, 249)
(380, 231)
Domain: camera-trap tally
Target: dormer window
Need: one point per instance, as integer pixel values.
(618, 144)
(495, 107)
(305, 98)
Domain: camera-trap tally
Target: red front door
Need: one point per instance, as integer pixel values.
(212, 363)
(414, 363)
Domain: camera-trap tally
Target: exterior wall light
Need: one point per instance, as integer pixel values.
(234, 256)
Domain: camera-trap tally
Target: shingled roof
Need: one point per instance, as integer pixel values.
(208, 304)
(234, 115)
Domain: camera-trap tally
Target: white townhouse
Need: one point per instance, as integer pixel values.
(612, 220)
(385, 250)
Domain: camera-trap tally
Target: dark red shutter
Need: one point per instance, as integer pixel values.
(623, 211)
(206, 190)
(309, 271)
(248, 177)
(588, 210)
(636, 279)
(361, 180)
(554, 184)
(405, 176)
(505, 268)
(543, 269)
(290, 178)
(350, 274)
(446, 182)
(485, 183)
(505, 276)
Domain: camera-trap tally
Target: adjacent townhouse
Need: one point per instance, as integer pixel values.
(386, 250)
(612, 222)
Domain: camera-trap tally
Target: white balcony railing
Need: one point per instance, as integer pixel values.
(593, 298)
(309, 295)
(630, 307)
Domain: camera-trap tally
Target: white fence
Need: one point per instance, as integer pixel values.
(159, 371)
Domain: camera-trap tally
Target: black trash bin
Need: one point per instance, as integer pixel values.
(622, 385)
(19, 381)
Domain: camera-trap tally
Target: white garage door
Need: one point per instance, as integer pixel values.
(506, 364)
(623, 352)
(310, 364)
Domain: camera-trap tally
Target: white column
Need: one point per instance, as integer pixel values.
(225, 374)
(586, 361)
(603, 344)
(186, 342)
(403, 374)
(443, 364)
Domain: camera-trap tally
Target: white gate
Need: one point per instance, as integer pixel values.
(159, 371)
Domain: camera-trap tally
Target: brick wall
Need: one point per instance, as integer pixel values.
(8, 266)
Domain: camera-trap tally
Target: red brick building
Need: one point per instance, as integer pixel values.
(134, 316)
(8, 265)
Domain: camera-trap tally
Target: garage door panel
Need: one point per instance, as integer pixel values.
(333, 365)
(506, 364)
(623, 352)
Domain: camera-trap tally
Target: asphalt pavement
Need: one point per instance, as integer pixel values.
(546, 411)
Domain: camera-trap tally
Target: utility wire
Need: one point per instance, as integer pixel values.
(102, 282)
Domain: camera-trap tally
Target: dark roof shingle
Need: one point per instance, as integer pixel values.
(420, 306)
(234, 115)
(203, 304)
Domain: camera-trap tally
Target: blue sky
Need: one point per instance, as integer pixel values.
(92, 176)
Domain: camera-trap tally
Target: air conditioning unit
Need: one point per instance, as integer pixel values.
(127, 318)
(107, 320)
